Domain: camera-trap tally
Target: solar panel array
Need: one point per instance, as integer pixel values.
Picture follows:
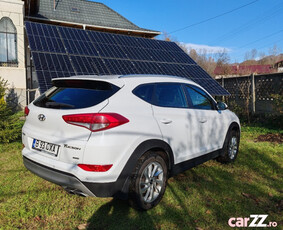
(62, 52)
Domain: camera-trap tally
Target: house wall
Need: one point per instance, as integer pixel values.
(16, 76)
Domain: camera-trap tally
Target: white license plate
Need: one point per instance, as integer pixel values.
(47, 147)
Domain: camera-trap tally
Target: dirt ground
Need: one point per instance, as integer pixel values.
(271, 137)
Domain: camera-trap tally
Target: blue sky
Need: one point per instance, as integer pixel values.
(258, 25)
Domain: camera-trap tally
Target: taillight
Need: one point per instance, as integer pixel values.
(26, 111)
(95, 168)
(96, 121)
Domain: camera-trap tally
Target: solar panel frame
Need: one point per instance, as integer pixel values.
(62, 51)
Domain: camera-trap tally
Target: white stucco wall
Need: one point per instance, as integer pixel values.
(16, 76)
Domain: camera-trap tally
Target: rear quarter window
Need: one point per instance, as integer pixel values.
(144, 92)
(169, 95)
(76, 94)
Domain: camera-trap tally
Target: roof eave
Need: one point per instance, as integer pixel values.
(151, 33)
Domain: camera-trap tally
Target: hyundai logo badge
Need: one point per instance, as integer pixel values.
(41, 117)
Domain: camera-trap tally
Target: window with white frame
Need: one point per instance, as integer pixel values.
(8, 43)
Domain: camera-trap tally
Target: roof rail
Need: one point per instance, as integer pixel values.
(151, 75)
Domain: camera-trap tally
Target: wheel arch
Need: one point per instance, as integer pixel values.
(235, 126)
(155, 145)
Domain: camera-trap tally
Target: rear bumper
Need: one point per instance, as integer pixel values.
(70, 182)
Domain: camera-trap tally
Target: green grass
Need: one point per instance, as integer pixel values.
(204, 197)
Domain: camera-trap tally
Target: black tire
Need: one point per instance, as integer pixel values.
(231, 147)
(147, 191)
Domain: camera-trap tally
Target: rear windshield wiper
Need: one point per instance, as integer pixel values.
(53, 104)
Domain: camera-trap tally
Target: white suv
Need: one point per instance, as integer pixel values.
(125, 135)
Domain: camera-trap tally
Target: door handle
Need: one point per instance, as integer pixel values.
(202, 120)
(166, 121)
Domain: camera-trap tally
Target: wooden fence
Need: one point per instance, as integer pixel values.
(255, 91)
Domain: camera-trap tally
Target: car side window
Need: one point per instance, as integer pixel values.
(169, 95)
(198, 98)
(144, 92)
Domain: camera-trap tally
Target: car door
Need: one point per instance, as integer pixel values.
(170, 110)
(207, 134)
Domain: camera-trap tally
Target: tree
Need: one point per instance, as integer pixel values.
(166, 36)
(10, 125)
(262, 60)
(201, 57)
(3, 89)
(274, 52)
(223, 62)
(204, 58)
(251, 55)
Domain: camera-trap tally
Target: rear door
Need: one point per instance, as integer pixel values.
(171, 113)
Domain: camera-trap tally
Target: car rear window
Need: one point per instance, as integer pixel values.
(76, 94)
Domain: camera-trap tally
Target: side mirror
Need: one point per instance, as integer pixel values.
(221, 105)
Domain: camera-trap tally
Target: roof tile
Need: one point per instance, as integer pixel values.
(85, 12)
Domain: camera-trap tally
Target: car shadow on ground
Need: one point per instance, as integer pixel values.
(116, 214)
(219, 192)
